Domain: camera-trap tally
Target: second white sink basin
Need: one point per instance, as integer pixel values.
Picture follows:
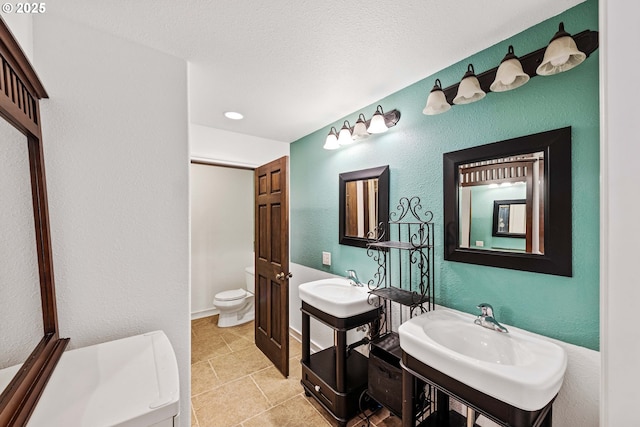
(519, 368)
(337, 297)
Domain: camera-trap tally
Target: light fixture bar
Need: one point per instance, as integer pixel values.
(587, 42)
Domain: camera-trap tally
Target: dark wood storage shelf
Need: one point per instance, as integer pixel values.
(323, 364)
(398, 245)
(402, 296)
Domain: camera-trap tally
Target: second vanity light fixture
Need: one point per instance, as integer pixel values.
(562, 54)
(379, 123)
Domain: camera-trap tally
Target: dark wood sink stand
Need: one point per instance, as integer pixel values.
(494, 409)
(333, 378)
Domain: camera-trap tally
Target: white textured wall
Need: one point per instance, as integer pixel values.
(226, 147)
(221, 232)
(21, 26)
(116, 151)
(619, 236)
(20, 307)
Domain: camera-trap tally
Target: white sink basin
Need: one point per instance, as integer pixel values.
(519, 368)
(337, 297)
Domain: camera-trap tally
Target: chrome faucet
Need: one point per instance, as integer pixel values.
(487, 320)
(353, 277)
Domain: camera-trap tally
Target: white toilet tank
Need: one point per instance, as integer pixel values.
(249, 274)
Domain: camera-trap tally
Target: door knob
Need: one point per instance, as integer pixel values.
(282, 276)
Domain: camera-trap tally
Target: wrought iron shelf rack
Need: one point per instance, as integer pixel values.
(404, 253)
(404, 282)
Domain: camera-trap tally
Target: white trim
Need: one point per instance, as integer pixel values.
(219, 162)
(604, 214)
(204, 313)
(297, 335)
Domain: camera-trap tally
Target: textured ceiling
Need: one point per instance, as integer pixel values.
(293, 66)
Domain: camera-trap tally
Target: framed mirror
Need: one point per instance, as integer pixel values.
(31, 346)
(363, 205)
(508, 204)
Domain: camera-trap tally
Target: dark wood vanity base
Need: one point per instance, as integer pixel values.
(494, 409)
(334, 377)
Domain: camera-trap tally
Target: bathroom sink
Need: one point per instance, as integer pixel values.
(518, 367)
(337, 297)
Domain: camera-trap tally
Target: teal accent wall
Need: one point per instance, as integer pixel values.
(565, 308)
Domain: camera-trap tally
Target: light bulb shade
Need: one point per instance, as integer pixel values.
(562, 54)
(331, 143)
(436, 101)
(378, 123)
(360, 129)
(510, 74)
(344, 137)
(469, 89)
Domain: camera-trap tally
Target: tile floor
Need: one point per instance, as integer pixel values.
(234, 385)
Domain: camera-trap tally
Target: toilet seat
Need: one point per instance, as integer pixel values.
(232, 295)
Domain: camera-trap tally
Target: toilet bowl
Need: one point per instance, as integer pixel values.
(236, 306)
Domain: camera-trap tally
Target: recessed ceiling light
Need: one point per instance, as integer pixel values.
(233, 115)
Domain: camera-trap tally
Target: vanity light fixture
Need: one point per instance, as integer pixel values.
(436, 102)
(378, 123)
(363, 128)
(344, 136)
(360, 129)
(469, 89)
(331, 143)
(510, 74)
(562, 54)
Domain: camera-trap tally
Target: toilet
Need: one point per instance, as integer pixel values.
(236, 306)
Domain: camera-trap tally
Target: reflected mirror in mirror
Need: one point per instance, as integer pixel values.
(363, 204)
(20, 307)
(510, 218)
(501, 204)
(505, 205)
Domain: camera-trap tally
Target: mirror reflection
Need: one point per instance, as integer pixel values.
(501, 204)
(20, 307)
(361, 208)
(363, 205)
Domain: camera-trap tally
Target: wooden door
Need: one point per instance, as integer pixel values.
(272, 262)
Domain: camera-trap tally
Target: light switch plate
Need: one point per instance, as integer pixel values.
(326, 258)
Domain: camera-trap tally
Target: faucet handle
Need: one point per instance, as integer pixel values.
(486, 308)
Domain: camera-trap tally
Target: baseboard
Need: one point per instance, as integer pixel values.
(204, 313)
(295, 334)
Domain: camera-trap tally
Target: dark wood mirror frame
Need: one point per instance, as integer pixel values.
(557, 258)
(20, 92)
(382, 174)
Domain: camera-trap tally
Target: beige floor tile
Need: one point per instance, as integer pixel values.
(229, 404)
(237, 342)
(203, 378)
(295, 412)
(239, 363)
(204, 348)
(277, 388)
(295, 348)
(194, 419)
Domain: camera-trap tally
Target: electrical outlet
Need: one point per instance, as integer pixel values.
(479, 243)
(326, 258)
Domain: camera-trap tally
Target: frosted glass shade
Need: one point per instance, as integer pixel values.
(360, 129)
(436, 101)
(331, 143)
(469, 89)
(377, 124)
(344, 137)
(562, 54)
(510, 74)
